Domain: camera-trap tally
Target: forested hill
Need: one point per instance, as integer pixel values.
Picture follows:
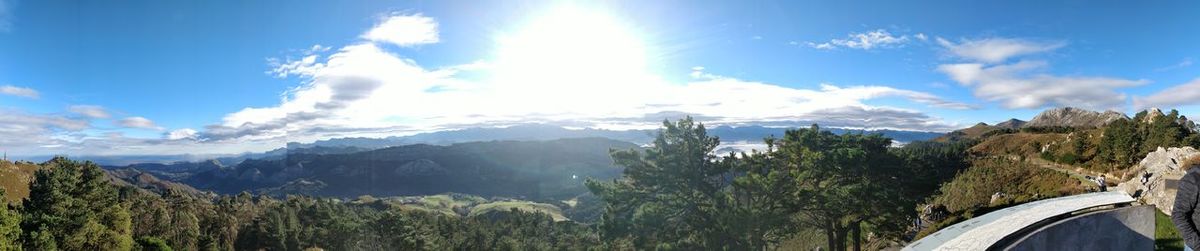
(554, 169)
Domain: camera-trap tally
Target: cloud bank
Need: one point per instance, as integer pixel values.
(368, 88)
(1178, 95)
(1024, 84)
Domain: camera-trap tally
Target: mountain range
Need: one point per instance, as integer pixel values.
(526, 161)
(553, 169)
(522, 132)
(550, 132)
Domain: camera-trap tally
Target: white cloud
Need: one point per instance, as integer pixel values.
(21, 132)
(1022, 85)
(872, 92)
(90, 111)
(866, 40)
(138, 122)
(186, 133)
(822, 46)
(404, 30)
(996, 50)
(1179, 95)
(1025, 84)
(19, 91)
(1182, 64)
(363, 89)
(921, 36)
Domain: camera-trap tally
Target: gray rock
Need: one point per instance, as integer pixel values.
(1074, 117)
(1154, 179)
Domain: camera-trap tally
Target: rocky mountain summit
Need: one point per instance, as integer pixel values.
(1074, 117)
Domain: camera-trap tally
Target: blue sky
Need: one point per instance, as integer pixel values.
(169, 77)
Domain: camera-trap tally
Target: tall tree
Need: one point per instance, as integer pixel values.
(669, 192)
(72, 206)
(677, 194)
(1164, 131)
(842, 182)
(1121, 142)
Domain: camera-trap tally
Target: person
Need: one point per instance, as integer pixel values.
(1100, 182)
(1184, 213)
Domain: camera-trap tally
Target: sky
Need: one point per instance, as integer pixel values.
(219, 77)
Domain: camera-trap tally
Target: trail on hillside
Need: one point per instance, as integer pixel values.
(1074, 171)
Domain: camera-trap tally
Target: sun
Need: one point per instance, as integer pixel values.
(570, 47)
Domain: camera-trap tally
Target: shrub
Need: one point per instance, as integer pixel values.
(150, 243)
(1190, 162)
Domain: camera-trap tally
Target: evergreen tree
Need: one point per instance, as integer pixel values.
(153, 244)
(842, 182)
(669, 194)
(10, 226)
(72, 206)
(678, 195)
(1163, 131)
(1121, 142)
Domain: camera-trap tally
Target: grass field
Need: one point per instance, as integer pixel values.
(1165, 235)
(526, 206)
(465, 205)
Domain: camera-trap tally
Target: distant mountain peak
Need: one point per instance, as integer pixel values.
(1074, 117)
(1012, 123)
(1152, 113)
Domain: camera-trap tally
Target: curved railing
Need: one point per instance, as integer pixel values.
(1008, 227)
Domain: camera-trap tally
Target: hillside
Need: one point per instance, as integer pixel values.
(553, 169)
(149, 182)
(462, 205)
(1011, 124)
(1050, 156)
(15, 178)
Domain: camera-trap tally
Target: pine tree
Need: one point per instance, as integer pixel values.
(10, 226)
(842, 182)
(1121, 142)
(72, 206)
(671, 194)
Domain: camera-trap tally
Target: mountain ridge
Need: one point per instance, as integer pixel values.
(1074, 117)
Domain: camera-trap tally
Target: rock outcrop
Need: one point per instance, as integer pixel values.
(1152, 114)
(1154, 180)
(1074, 117)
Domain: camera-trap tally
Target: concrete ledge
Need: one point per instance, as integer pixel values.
(1125, 228)
(982, 232)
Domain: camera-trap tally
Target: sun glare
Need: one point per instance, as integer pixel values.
(586, 46)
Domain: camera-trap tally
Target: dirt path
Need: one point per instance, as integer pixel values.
(1074, 171)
